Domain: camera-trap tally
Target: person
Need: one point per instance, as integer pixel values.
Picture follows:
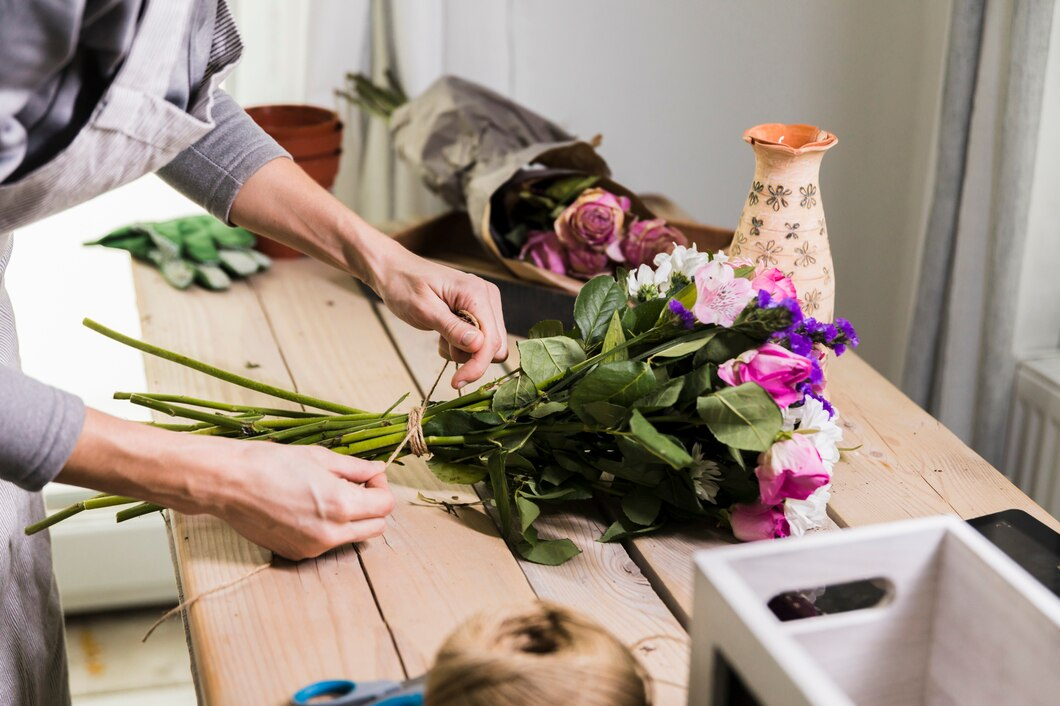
(92, 95)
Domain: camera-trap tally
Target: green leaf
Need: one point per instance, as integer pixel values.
(641, 506)
(544, 359)
(528, 512)
(697, 382)
(604, 414)
(663, 396)
(499, 486)
(129, 238)
(546, 329)
(566, 189)
(614, 337)
(679, 350)
(555, 475)
(516, 441)
(459, 473)
(550, 552)
(744, 417)
(598, 299)
(620, 384)
(623, 528)
(725, 345)
(513, 394)
(544, 410)
(643, 316)
(457, 422)
(656, 443)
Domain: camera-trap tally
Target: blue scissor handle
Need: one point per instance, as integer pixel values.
(365, 693)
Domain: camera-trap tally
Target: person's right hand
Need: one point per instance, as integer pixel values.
(298, 501)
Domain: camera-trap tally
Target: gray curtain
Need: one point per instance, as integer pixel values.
(960, 363)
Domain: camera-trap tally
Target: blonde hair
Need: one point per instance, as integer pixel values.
(537, 654)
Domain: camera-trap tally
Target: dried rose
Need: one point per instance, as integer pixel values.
(544, 250)
(646, 239)
(594, 221)
(586, 263)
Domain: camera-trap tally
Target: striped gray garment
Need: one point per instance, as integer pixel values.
(134, 130)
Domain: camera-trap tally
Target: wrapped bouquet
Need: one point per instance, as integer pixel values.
(689, 390)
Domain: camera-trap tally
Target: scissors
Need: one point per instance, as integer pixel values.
(363, 693)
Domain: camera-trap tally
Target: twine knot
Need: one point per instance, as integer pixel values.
(414, 426)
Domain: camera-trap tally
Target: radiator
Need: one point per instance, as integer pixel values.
(1032, 449)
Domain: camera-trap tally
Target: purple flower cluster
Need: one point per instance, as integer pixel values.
(838, 336)
(686, 317)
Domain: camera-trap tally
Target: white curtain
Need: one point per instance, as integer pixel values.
(962, 352)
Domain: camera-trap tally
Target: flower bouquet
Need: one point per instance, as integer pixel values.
(690, 390)
(540, 201)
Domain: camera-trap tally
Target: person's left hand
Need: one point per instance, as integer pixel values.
(425, 295)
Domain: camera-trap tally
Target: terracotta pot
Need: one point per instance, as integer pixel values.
(783, 223)
(322, 169)
(315, 145)
(276, 250)
(287, 121)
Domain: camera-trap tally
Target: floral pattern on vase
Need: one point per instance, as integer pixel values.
(783, 222)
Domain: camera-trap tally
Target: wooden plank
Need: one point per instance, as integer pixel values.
(603, 581)
(912, 444)
(432, 570)
(294, 623)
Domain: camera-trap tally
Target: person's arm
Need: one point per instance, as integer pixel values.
(282, 201)
(298, 501)
(236, 172)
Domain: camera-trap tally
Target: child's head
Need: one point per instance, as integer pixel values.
(538, 654)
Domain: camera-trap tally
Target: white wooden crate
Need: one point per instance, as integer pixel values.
(961, 624)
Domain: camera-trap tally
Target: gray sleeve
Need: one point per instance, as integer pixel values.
(213, 170)
(39, 426)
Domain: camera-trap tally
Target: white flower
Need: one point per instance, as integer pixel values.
(812, 419)
(705, 474)
(683, 262)
(719, 256)
(810, 514)
(643, 283)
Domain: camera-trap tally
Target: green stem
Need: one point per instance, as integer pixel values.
(92, 503)
(216, 372)
(137, 511)
(189, 413)
(223, 406)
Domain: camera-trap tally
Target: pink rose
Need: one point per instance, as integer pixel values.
(775, 283)
(646, 239)
(544, 250)
(758, 521)
(790, 469)
(720, 295)
(776, 369)
(588, 263)
(595, 220)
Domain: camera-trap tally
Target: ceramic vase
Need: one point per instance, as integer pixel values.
(783, 223)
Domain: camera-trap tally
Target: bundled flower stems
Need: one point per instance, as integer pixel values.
(691, 391)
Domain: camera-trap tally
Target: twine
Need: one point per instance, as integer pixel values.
(414, 423)
(413, 438)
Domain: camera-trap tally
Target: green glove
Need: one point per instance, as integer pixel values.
(195, 248)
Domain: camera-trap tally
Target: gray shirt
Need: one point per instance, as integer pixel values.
(56, 60)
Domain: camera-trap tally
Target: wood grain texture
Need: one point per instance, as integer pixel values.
(294, 623)
(602, 582)
(432, 570)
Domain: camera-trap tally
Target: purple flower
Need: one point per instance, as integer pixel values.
(800, 344)
(764, 300)
(824, 403)
(848, 332)
(686, 317)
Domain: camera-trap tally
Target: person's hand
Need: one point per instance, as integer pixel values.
(426, 295)
(298, 501)
(282, 202)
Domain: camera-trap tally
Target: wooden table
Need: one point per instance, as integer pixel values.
(380, 609)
